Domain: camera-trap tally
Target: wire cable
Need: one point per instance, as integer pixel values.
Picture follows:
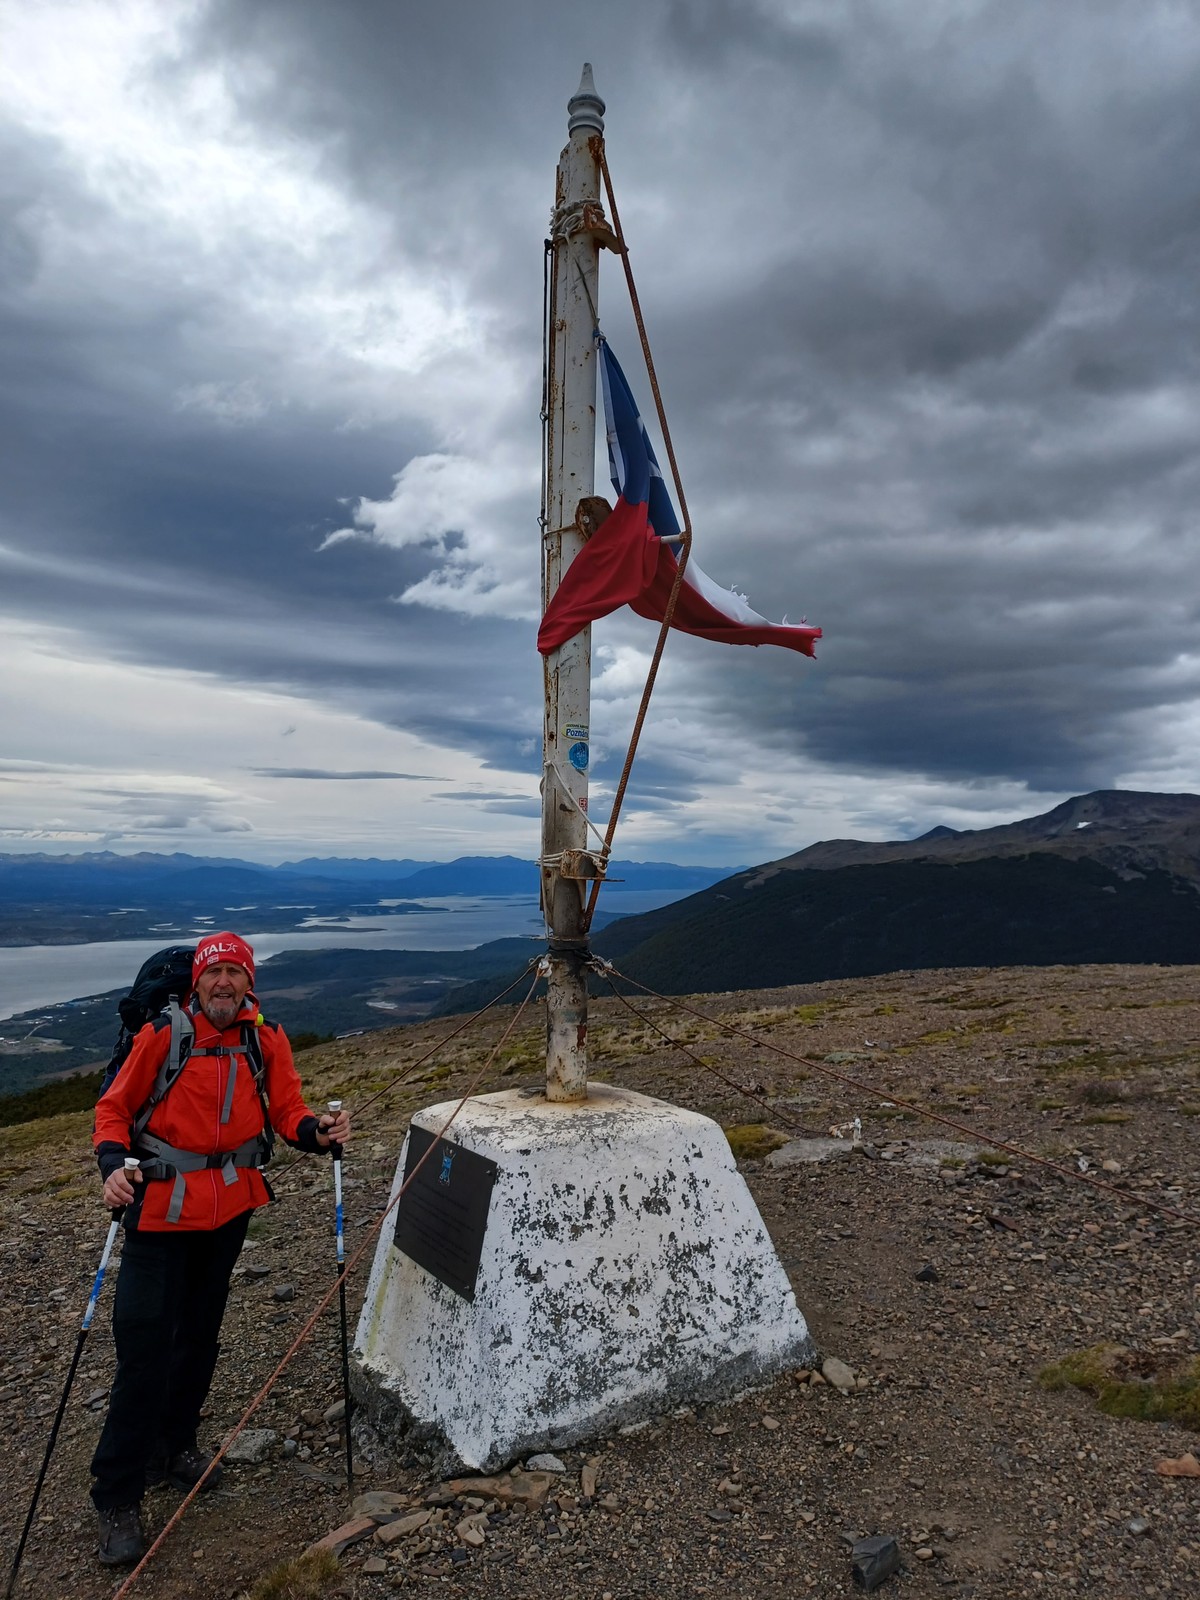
(1126, 1195)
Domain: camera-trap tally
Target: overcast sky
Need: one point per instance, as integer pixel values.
(921, 278)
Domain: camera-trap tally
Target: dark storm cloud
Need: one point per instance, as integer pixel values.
(323, 775)
(964, 417)
(921, 285)
(512, 808)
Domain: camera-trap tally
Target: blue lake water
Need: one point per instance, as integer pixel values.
(43, 975)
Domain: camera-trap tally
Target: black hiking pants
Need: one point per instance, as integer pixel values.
(167, 1314)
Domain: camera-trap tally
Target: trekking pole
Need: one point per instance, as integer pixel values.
(335, 1151)
(131, 1165)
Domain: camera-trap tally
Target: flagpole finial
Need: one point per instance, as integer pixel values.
(585, 105)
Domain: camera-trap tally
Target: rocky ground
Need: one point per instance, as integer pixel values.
(945, 1281)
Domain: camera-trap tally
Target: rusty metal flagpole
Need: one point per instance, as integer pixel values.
(577, 229)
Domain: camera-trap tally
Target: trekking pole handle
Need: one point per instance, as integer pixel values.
(132, 1165)
(335, 1150)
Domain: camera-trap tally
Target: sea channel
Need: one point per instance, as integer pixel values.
(48, 974)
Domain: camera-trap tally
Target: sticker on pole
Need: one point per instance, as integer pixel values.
(577, 755)
(442, 1219)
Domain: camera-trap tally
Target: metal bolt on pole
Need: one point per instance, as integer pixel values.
(577, 227)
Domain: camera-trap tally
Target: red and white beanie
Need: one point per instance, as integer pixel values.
(218, 947)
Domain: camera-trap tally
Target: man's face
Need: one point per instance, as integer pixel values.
(222, 988)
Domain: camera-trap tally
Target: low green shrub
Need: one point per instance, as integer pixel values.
(1124, 1383)
(77, 1093)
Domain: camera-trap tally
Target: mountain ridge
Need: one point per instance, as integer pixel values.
(1109, 876)
(1121, 828)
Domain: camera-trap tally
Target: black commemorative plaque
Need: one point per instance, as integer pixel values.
(442, 1219)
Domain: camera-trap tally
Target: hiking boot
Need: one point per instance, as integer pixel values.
(122, 1537)
(185, 1469)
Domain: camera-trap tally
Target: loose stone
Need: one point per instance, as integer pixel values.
(402, 1527)
(378, 1503)
(252, 1446)
(838, 1374)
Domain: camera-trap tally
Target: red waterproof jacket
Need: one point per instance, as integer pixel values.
(189, 1117)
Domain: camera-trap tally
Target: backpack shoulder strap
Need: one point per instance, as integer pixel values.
(182, 1034)
(252, 1045)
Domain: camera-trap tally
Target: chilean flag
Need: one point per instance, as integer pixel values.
(631, 558)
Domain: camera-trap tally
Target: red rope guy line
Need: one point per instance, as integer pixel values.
(685, 537)
(1126, 1195)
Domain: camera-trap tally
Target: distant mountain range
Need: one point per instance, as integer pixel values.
(99, 895)
(1121, 828)
(1109, 876)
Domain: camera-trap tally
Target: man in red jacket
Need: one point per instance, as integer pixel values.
(201, 1149)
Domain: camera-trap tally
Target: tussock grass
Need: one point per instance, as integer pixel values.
(1125, 1384)
(524, 1057)
(58, 1132)
(308, 1577)
(828, 1008)
(750, 1141)
(1103, 1092)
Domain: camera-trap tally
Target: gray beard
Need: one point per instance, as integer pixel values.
(221, 1013)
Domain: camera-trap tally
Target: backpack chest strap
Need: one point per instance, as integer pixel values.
(171, 1162)
(232, 1052)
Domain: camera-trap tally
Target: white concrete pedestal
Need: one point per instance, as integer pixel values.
(625, 1271)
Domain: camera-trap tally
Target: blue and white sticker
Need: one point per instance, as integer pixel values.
(576, 730)
(577, 755)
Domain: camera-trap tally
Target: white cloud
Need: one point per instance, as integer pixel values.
(467, 511)
(287, 272)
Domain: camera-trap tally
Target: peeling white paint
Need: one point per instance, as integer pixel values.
(625, 1271)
